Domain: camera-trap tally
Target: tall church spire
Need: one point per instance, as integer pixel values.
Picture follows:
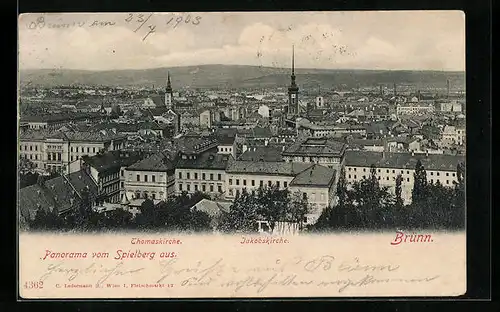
(168, 93)
(293, 68)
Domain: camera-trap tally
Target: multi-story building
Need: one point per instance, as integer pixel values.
(152, 177)
(56, 150)
(413, 108)
(201, 172)
(105, 169)
(226, 145)
(324, 151)
(442, 168)
(314, 182)
(452, 135)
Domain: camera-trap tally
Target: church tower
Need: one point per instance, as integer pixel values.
(168, 93)
(293, 91)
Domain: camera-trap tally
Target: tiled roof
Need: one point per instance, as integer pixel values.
(225, 139)
(157, 162)
(212, 208)
(205, 161)
(403, 160)
(112, 160)
(315, 147)
(263, 167)
(315, 175)
(59, 194)
(263, 153)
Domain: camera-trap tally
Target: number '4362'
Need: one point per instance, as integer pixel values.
(33, 285)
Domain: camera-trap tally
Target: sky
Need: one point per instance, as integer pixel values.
(384, 40)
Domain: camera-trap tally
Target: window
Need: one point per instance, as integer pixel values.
(432, 173)
(196, 187)
(452, 174)
(387, 171)
(408, 172)
(93, 151)
(237, 192)
(188, 187)
(211, 188)
(77, 149)
(349, 169)
(354, 169)
(244, 182)
(203, 176)
(31, 148)
(153, 196)
(26, 147)
(138, 177)
(211, 176)
(219, 177)
(88, 149)
(36, 147)
(122, 173)
(364, 177)
(387, 178)
(393, 171)
(31, 156)
(278, 184)
(71, 158)
(304, 195)
(253, 182)
(379, 170)
(269, 183)
(203, 188)
(407, 179)
(447, 181)
(196, 175)
(432, 180)
(379, 178)
(230, 181)
(349, 176)
(180, 175)
(447, 174)
(59, 156)
(237, 181)
(219, 188)
(437, 173)
(364, 169)
(153, 178)
(188, 176)
(123, 184)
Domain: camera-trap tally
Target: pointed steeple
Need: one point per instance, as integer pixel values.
(293, 84)
(169, 86)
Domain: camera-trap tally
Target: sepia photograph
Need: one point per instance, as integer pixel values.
(228, 132)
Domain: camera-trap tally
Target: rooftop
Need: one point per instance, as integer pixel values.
(112, 160)
(159, 161)
(205, 160)
(403, 160)
(316, 147)
(316, 175)
(263, 167)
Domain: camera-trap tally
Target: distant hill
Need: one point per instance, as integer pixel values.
(241, 76)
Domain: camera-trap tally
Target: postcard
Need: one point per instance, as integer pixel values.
(241, 155)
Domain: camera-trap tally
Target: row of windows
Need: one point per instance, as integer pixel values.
(153, 178)
(402, 171)
(111, 188)
(110, 177)
(82, 150)
(261, 183)
(203, 176)
(54, 156)
(31, 156)
(202, 189)
(26, 147)
(225, 149)
(394, 179)
(146, 195)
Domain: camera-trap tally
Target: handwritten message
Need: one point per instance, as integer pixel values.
(223, 266)
(144, 24)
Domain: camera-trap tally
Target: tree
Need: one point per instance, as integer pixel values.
(242, 215)
(46, 220)
(146, 219)
(273, 205)
(419, 191)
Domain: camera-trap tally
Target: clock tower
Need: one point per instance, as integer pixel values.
(293, 92)
(168, 93)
